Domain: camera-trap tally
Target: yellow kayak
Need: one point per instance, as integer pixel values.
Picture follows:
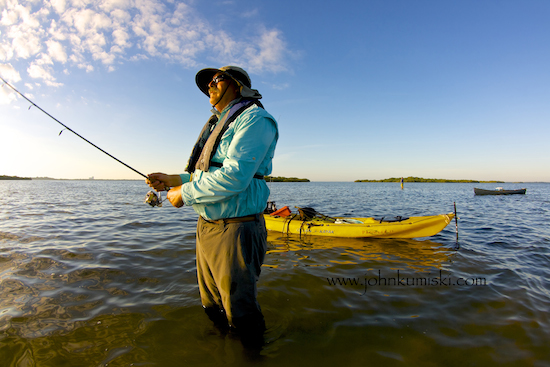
(398, 227)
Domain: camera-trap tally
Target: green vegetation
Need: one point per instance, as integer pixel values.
(420, 179)
(285, 179)
(3, 177)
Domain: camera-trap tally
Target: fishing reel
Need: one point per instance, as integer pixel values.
(153, 198)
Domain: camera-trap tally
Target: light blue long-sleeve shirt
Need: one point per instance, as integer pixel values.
(246, 148)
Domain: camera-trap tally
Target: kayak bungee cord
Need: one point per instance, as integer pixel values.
(148, 198)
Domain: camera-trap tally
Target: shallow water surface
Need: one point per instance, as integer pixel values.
(92, 276)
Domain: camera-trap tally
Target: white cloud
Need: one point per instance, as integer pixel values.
(108, 5)
(120, 16)
(59, 5)
(282, 86)
(269, 51)
(8, 72)
(56, 51)
(37, 71)
(52, 83)
(253, 13)
(138, 57)
(25, 45)
(6, 52)
(40, 69)
(89, 68)
(121, 38)
(6, 95)
(57, 33)
(88, 21)
(11, 17)
(53, 36)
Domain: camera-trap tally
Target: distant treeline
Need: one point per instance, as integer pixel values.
(4, 177)
(285, 179)
(420, 179)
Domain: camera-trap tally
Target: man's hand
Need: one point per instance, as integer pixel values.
(161, 181)
(174, 196)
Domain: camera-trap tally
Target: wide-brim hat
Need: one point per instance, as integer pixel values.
(204, 77)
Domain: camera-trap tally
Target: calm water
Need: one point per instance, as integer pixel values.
(91, 276)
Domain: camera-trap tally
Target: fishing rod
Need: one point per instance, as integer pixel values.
(151, 198)
(68, 128)
(456, 223)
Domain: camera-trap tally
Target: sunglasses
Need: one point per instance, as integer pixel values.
(219, 78)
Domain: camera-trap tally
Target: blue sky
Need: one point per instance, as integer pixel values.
(360, 89)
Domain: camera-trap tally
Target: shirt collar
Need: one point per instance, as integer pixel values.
(227, 108)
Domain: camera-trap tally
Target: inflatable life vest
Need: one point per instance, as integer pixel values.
(210, 137)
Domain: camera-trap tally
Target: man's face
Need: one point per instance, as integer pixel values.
(217, 88)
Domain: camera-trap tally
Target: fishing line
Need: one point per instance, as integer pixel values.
(68, 128)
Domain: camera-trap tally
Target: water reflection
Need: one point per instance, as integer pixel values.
(413, 254)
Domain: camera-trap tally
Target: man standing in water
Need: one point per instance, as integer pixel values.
(224, 184)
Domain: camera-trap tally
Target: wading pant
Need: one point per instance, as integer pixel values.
(229, 259)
